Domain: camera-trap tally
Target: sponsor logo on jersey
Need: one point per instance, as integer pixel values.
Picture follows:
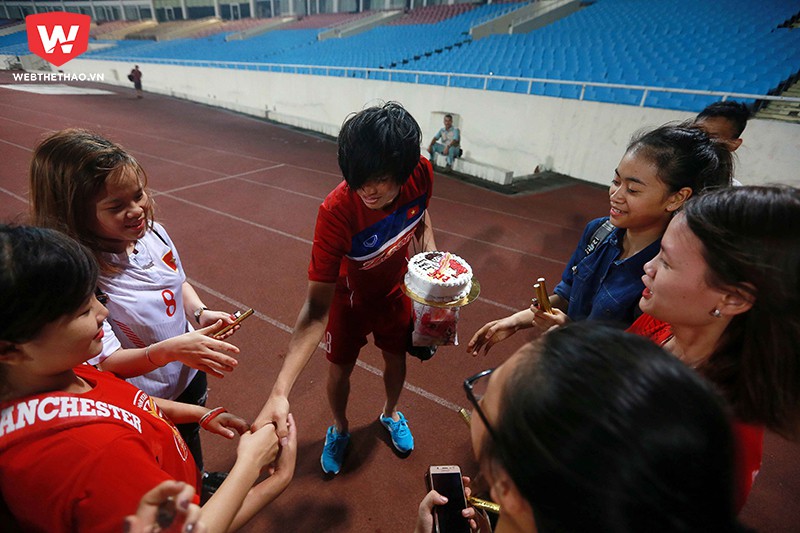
(371, 242)
(144, 402)
(169, 260)
(52, 409)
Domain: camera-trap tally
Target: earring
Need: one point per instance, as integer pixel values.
(715, 313)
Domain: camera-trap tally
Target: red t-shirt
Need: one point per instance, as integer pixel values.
(82, 462)
(365, 250)
(748, 438)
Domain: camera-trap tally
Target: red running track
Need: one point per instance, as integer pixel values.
(239, 196)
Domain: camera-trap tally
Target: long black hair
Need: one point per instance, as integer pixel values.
(601, 430)
(750, 241)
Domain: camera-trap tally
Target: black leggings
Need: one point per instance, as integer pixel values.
(196, 394)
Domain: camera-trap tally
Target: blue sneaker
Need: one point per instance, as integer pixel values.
(402, 439)
(333, 451)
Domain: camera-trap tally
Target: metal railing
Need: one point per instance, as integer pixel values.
(485, 81)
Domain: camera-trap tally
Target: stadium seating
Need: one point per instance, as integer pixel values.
(738, 46)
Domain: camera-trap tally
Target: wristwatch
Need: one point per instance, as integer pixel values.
(198, 312)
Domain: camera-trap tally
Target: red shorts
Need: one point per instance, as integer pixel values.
(388, 319)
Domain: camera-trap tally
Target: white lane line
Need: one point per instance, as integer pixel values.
(495, 245)
(174, 162)
(208, 182)
(285, 327)
(437, 230)
(283, 189)
(15, 145)
(498, 304)
(306, 241)
(239, 219)
(413, 388)
(504, 213)
(94, 126)
(14, 195)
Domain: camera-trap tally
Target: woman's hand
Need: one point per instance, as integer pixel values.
(476, 520)
(547, 321)
(197, 350)
(283, 468)
(227, 425)
(496, 331)
(261, 447)
(166, 508)
(210, 317)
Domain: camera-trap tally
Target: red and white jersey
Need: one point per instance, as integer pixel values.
(365, 250)
(82, 462)
(145, 305)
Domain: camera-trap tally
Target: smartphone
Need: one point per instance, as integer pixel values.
(446, 480)
(239, 319)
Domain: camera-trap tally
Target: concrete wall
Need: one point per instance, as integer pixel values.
(512, 131)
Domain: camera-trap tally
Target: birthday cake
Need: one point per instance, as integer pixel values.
(438, 276)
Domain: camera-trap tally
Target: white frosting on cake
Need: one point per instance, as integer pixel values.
(438, 276)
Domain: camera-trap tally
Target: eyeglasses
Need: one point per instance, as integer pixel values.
(475, 387)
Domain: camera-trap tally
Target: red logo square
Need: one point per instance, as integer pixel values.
(57, 36)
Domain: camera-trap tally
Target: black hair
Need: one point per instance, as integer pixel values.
(738, 113)
(380, 141)
(685, 157)
(750, 242)
(601, 430)
(44, 275)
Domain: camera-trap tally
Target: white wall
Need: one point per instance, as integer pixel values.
(517, 132)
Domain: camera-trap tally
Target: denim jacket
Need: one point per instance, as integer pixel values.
(600, 286)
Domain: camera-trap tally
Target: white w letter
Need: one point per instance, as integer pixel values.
(50, 41)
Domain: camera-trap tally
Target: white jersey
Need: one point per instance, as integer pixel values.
(145, 305)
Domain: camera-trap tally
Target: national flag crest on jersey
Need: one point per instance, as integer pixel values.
(169, 260)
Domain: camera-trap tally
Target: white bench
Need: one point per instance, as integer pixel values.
(464, 165)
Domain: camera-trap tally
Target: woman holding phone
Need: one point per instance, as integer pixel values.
(660, 170)
(722, 296)
(592, 429)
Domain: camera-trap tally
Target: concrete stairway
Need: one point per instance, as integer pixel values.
(786, 111)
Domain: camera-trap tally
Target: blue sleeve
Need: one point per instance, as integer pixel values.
(438, 135)
(457, 135)
(564, 288)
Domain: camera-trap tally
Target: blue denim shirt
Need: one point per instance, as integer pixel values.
(601, 286)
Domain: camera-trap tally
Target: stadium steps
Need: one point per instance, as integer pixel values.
(167, 31)
(359, 25)
(267, 25)
(113, 31)
(403, 63)
(786, 111)
(792, 22)
(12, 28)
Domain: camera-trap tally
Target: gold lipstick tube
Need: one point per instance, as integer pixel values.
(486, 505)
(541, 295)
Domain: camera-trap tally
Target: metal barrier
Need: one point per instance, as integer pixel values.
(480, 81)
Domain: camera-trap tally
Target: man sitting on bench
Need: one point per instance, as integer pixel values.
(449, 139)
